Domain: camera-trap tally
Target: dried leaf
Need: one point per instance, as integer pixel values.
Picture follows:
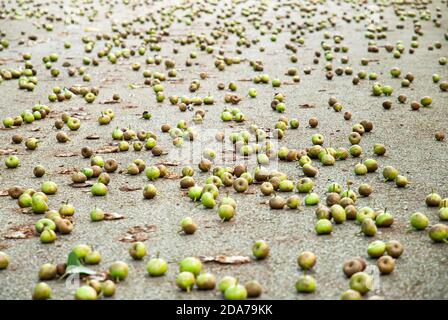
(307, 106)
(140, 237)
(138, 233)
(34, 129)
(127, 188)
(5, 60)
(20, 232)
(144, 228)
(168, 163)
(18, 235)
(289, 83)
(181, 80)
(4, 193)
(172, 176)
(110, 102)
(130, 106)
(109, 80)
(234, 99)
(23, 210)
(7, 152)
(67, 171)
(81, 185)
(112, 216)
(66, 155)
(76, 109)
(226, 259)
(99, 276)
(107, 149)
(93, 136)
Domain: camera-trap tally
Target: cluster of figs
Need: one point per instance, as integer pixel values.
(191, 274)
(245, 24)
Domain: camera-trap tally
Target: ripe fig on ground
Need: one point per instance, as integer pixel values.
(306, 260)
(306, 284)
(386, 264)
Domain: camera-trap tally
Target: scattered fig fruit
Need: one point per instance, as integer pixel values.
(311, 199)
(419, 221)
(118, 270)
(386, 264)
(365, 189)
(92, 258)
(137, 250)
(157, 267)
(277, 202)
(394, 249)
(260, 249)
(379, 149)
(236, 292)
(306, 260)
(86, 293)
(376, 249)
(188, 225)
(42, 291)
(253, 288)
(440, 136)
(368, 227)
(351, 295)
(108, 288)
(4, 260)
(390, 173)
(306, 284)
(401, 181)
(293, 202)
(433, 199)
(438, 232)
(361, 282)
(185, 280)
(206, 281)
(99, 189)
(384, 219)
(323, 226)
(191, 264)
(352, 266)
(39, 171)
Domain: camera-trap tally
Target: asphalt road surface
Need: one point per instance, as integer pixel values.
(420, 273)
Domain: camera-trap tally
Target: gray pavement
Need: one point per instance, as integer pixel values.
(421, 272)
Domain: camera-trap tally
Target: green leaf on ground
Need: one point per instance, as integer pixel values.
(74, 266)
